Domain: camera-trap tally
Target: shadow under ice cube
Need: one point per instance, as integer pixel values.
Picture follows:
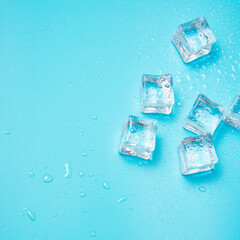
(194, 39)
(197, 154)
(138, 137)
(157, 95)
(204, 117)
(233, 115)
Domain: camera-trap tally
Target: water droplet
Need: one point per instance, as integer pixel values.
(69, 81)
(94, 117)
(47, 178)
(84, 154)
(164, 124)
(82, 194)
(106, 185)
(31, 215)
(113, 83)
(45, 166)
(31, 174)
(92, 149)
(90, 174)
(122, 199)
(133, 129)
(102, 197)
(55, 215)
(84, 210)
(57, 196)
(68, 170)
(239, 179)
(93, 234)
(224, 179)
(202, 189)
(81, 134)
(7, 132)
(140, 163)
(81, 174)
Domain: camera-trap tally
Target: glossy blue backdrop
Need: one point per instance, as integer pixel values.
(70, 74)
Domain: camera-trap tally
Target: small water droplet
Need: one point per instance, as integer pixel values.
(81, 174)
(69, 81)
(81, 134)
(90, 174)
(84, 210)
(113, 83)
(93, 234)
(92, 149)
(47, 178)
(106, 185)
(31, 174)
(140, 163)
(57, 196)
(7, 132)
(202, 189)
(31, 215)
(94, 117)
(45, 166)
(122, 199)
(55, 215)
(224, 179)
(84, 154)
(164, 124)
(82, 194)
(68, 170)
(102, 197)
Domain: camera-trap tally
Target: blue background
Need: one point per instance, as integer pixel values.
(70, 75)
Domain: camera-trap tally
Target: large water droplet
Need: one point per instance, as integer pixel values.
(93, 234)
(47, 178)
(106, 185)
(31, 215)
(202, 189)
(122, 199)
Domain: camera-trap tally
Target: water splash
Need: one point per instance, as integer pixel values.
(202, 189)
(122, 199)
(47, 178)
(31, 214)
(106, 185)
(68, 170)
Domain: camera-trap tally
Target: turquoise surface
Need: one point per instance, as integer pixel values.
(70, 75)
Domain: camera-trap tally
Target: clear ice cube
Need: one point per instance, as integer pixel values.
(204, 117)
(157, 95)
(197, 154)
(138, 137)
(233, 115)
(194, 39)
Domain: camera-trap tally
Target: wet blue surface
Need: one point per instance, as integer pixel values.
(70, 75)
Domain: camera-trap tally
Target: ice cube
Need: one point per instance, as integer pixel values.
(204, 117)
(233, 115)
(157, 95)
(197, 154)
(138, 137)
(194, 39)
